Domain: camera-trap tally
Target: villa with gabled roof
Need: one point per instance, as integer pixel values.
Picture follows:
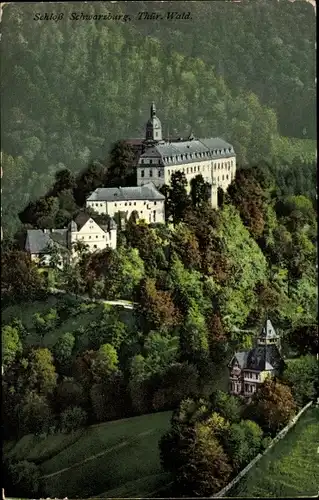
(248, 369)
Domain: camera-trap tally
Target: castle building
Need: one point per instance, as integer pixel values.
(146, 201)
(83, 229)
(213, 158)
(248, 369)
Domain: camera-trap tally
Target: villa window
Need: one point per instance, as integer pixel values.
(159, 173)
(154, 202)
(151, 162)
(227, 177)
(135, 203)
(103, 236)
(115, 204)
(142, 161)
(151, 173)
(144, 202)
(89, 237)
(95, 246)
(125, 204)
(142, 173)
(97, 236)
(169, 172)
(223, 177)
(187, 169)
(130, 204)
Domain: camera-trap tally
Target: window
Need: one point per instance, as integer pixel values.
(103, 236)
(115, 204)
(151, 173)
(135, 203)
(151, 162)
(169, 172)
(130, 203)
(144, 202)
(159, 173)
(154, 202)
(82, 237)
(142, 173)
(215, 167)
(142, 161)
(218, 179)
(95, 246)
(187, 170)
(191, 170)
(227, 177)
(125, 204)
(223, 177)
(89, 237)
(97, 236)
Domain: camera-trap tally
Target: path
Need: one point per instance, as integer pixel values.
(97, 455)
(124, 303)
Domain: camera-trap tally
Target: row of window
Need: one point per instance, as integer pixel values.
(97, 236)
(250, 388)
(253, 376)
(191, 170)
(186, 156)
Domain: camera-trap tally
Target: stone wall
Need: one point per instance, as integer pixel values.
(279, 436)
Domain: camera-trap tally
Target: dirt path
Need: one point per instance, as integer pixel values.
(97, 455)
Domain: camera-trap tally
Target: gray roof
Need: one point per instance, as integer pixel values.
(181, 152)
(146, 192)
(259, 359)
(264, 358)
(268, 331)
(40, 242)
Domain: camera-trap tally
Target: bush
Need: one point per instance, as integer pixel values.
(72, 419)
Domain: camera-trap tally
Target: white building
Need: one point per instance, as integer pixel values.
(146, 200)
(83, 229)
(213, 158)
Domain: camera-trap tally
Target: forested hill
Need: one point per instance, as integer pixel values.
(72, 88)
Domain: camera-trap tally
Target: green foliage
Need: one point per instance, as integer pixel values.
(25, 476)
(302, 375)
(243, 442)
(63, 348)
(226, 405)
(11, 345)
(72, 419)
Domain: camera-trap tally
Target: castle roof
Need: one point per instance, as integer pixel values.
(146, 192)
(189, 151)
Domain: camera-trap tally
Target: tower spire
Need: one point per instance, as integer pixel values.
(153, 110)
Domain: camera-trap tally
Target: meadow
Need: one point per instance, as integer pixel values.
(121, 457)
(290, 468)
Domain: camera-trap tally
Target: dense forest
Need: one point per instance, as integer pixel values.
(201, 287)
(70, 89)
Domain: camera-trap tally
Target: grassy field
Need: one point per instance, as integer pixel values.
(290, 469)
(119, 458)
(88, 314)
(107, 457)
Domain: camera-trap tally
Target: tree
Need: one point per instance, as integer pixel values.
(302, 375)
(20, 278)
(41, 371)
(243, 442)
(35, 414)
(272, 405)
(72, 419)
(193, 454)
(11, 345)
(109, 399)
(226, 405)
(156, 307)
(63, 348)
(305, 339)
(178, 382)
(178, 200)
(105, 362)
(25, 477)
(64, 180)
(200, 191)
(69, 393)
(121, 170)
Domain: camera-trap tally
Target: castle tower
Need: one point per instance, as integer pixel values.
(153, 127)
(268, 335)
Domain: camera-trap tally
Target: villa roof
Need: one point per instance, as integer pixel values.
(146, 192)
(39, 241)
(268, 331)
